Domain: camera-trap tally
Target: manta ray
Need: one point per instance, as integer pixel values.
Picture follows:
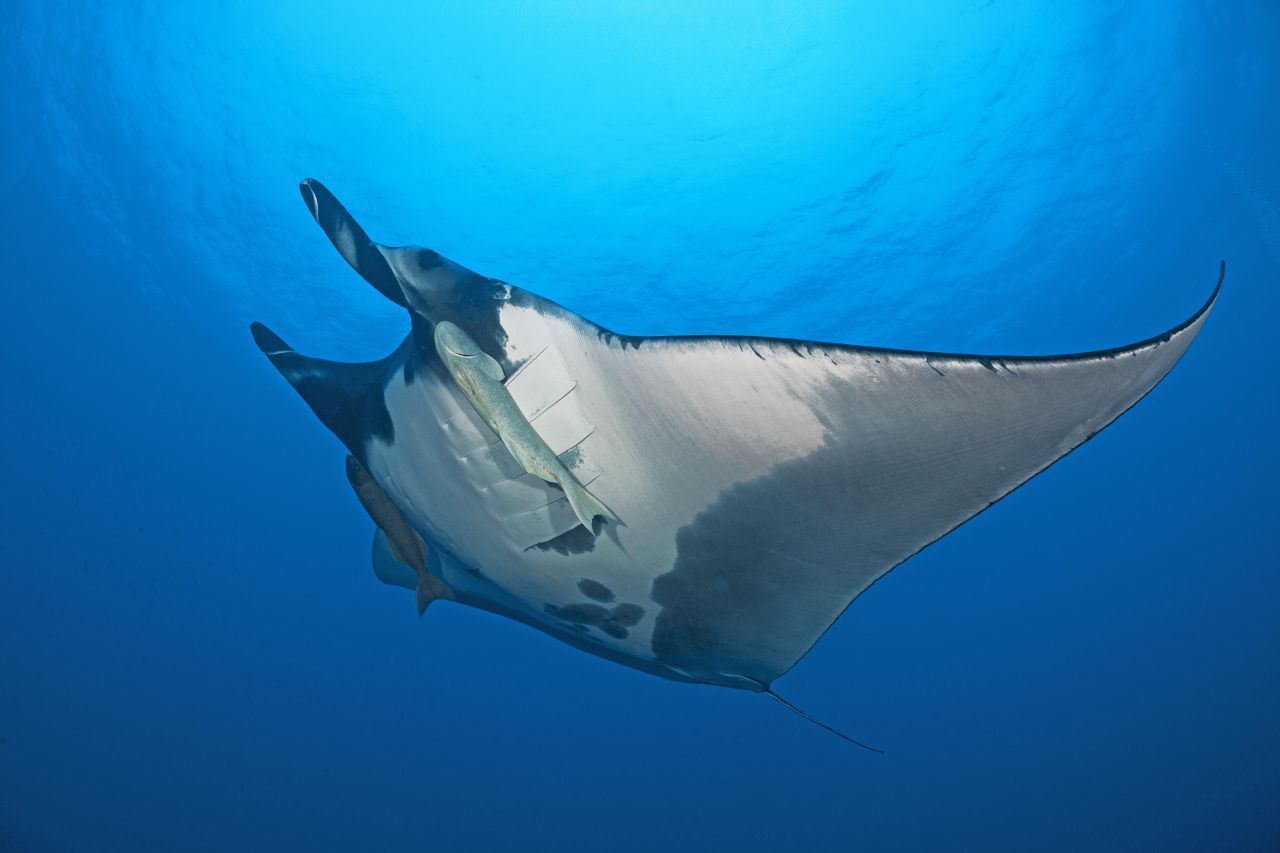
(701, 508)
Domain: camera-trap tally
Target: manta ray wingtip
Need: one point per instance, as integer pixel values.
(1200, 315)
(1217, 288)
(1211, 301)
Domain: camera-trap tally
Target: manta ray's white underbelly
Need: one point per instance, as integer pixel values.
(463, 490)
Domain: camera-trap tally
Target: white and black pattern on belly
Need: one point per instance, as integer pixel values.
(462, 490)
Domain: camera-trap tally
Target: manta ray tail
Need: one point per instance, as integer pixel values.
(784, 703)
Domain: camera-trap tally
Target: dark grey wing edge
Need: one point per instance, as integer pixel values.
(802, 347)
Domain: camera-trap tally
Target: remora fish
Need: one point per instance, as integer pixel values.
(403, 542)
(479, 376)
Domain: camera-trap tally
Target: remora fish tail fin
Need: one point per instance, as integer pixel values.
(585, 505)
(350, 240)
(430, 588)
(390, 570)
(338, 392)
(793, 709)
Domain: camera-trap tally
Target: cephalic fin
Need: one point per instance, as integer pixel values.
(338, 392)
(351, 241)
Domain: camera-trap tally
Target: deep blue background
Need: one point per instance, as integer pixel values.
(194, 653)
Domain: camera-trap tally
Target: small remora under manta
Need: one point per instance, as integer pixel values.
(755, 486)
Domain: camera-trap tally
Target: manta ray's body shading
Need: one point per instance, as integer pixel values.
(757, 486)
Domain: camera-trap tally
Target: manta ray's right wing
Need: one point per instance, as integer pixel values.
(800, 473)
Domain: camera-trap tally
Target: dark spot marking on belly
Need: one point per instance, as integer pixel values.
(595, 590)
(612, 621)
(581, 614)
(628, 614)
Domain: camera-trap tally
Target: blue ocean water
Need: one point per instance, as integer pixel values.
(194, 652)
